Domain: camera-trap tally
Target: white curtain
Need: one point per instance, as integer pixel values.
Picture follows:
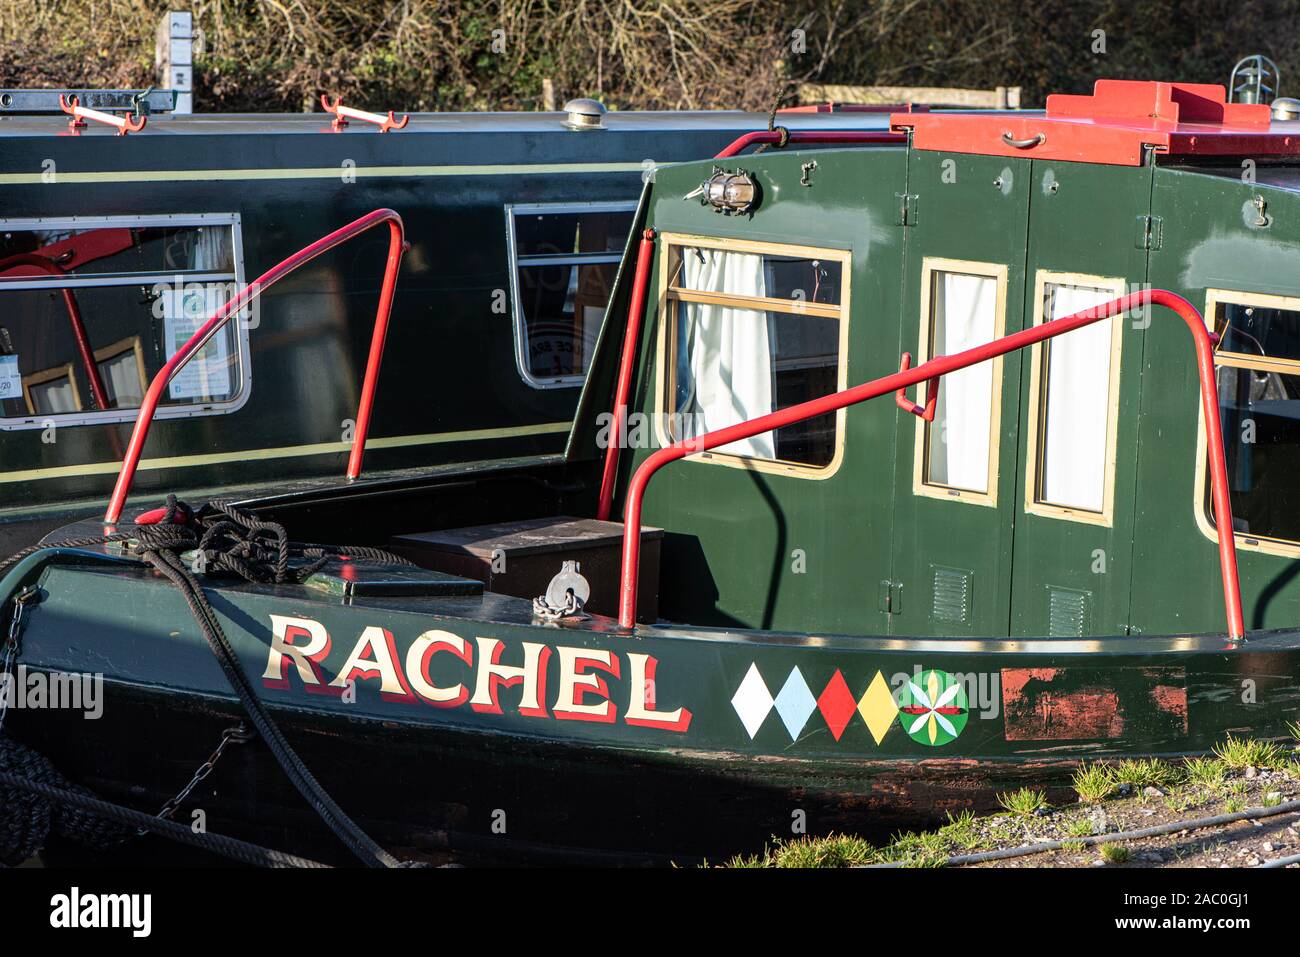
(54, 396)
(211, 251)
(729, 350)
(1078, 404)
(965, 316)
(121, 375)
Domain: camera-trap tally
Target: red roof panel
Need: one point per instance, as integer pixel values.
(1112, 126)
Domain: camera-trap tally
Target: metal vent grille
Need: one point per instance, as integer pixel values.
(1067, 612)
(952, 594)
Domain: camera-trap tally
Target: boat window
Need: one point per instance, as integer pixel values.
(786, 278)
(1250, 331)
(564, 259)
(754, 328)
(92, 308)
(962, 306)
(1075, 384)
(1258, 375)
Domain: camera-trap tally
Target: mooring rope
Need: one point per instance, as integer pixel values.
(227, 539)
(771, 121)
(105, 810)
(1281, 861)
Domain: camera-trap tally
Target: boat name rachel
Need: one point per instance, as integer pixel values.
(582, 693)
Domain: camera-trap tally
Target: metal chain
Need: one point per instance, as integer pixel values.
(239, 734)
(572, 608)
(8, 679)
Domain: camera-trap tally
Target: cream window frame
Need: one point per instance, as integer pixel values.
(1201, 505)
(132, 345)
(665, 366)
(932, 266)
(1038, 392)
(45, 376)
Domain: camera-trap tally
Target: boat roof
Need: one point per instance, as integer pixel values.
(616, 121)
(1115, 125)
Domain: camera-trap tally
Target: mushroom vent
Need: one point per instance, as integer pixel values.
(584, 115)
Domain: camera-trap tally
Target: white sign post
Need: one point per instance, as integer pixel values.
(174, 58)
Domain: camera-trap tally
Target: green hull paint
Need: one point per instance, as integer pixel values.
(791, 690)
(1027, 710)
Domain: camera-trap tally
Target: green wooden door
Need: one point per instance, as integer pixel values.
(1234, 261)
(765, 541)
(955, 478)
(1073, 541)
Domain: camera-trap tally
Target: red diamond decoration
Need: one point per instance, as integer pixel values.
(836, 704)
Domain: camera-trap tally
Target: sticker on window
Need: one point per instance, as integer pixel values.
(11, 382)
(207, 374)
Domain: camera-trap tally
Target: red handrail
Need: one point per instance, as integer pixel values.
(942, 366)
(343, 113)
(74, 316)
(811, 136)
(644, 256)
(931, 394)
(396, 246)
(79, 114)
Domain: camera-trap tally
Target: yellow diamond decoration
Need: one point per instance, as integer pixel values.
(877, 708)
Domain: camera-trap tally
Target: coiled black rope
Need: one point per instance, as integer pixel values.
(96, 809)
(28, 819)
(224, 538)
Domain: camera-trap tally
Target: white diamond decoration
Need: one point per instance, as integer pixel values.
(752, 701)
(794, 703)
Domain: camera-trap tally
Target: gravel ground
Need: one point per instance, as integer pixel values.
(1241, 844)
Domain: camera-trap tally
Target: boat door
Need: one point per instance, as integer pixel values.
(1074, 508)
(956, 478)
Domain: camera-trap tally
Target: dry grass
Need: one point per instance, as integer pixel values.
(646, 54)
(412, 54)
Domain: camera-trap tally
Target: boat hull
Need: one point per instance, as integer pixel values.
(459, 725)
(442, 795)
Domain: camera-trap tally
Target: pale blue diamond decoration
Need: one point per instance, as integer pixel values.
(794, 703)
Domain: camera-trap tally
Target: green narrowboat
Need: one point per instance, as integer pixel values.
(114, 247)
(790, 605)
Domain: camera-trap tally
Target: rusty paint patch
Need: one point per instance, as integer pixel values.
(1083, 704)
(1172, 700)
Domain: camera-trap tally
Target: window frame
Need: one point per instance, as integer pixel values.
(515, 262)
(133, 346)
(998, 272)
(33, 421)
(665, 365)
(1201, 503)
(1039, 385)
(45, 376)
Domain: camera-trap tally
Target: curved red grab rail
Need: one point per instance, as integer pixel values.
(631, 336)
(343, 113)
(79, 114)
(931, 394)
(396, 246)
(942, 366)
(811, 136)
(74, 316)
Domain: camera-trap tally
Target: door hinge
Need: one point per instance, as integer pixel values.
(891, 597)
(1150, 232)
(906, 209)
